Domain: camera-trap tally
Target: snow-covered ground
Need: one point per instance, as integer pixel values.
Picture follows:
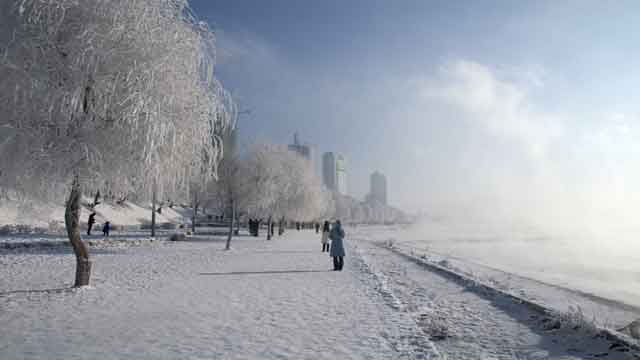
(263, 300)
(50, 216)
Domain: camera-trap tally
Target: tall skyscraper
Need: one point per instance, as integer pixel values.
(334, 172)
(378, 188)
(303, 150)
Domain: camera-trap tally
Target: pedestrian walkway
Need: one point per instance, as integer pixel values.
(263, 299)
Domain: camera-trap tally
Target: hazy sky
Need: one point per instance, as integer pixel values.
(499, 105)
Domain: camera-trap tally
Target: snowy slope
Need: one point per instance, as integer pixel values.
(46, 215)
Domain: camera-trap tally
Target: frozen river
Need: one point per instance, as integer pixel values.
(607, 265)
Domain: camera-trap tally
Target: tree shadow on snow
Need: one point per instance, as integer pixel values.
(37, 291)
(63, 249)
(287, 252)
(265, 272)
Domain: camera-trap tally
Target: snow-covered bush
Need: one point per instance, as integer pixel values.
(434, 326)
(575, 319)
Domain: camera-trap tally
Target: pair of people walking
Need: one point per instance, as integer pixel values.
(336, 250)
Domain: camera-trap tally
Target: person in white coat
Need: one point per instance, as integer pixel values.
(325, 237)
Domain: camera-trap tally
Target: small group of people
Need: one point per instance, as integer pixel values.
(106, 227)
(335, 234)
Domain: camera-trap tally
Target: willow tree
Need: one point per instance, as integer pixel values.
(106, 94)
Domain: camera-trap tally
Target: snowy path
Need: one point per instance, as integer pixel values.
(262, 300)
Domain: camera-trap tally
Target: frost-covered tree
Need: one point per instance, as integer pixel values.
(106, 94)
(259, 172)
(279, 183)
(225, 192)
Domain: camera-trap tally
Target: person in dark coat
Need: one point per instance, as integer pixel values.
(92, 220)
(105, 228)
(317, 228)
(337, 246)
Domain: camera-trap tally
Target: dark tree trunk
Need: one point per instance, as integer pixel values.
(153, 209)
(72, 223)
(193, 217)
(269, 228)
(230, 235)
(281, 227)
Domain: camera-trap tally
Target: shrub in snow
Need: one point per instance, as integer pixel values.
(573, 319)
(178, 237)
(55, 226)
(434, 326)
(5, 230)
(633, 329)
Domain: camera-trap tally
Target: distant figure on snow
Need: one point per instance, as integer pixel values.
(105, 228)
(337, 245)
(317, 228)
(325, 237)
(92, 220)
(298, 225)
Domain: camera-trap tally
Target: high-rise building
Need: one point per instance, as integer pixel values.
(303, 150)
(378, 188)
(334, 172)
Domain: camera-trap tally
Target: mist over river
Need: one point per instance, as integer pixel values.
(606, 264)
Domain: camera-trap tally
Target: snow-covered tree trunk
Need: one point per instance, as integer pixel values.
(72, 223)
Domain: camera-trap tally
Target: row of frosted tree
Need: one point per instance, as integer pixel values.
(269, 184)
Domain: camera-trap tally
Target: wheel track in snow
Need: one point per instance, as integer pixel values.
(410, 342)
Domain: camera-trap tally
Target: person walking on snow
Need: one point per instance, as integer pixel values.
(92, 220)
(317, 228)
(337, 246)
(106, 228)
(325, 237)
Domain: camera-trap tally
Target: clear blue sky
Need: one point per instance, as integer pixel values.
(460, 104)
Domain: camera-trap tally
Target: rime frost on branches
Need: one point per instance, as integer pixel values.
(279, 183)
(118, 91)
